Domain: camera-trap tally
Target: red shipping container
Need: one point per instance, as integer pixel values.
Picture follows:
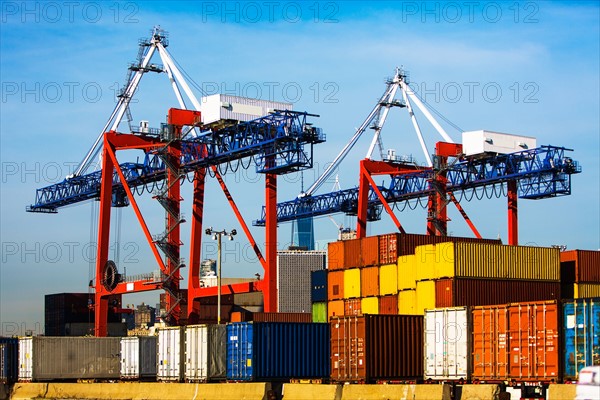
(352, 250)
(388, 304)
(518, 341)
(352, 307)
(335, 285)
(458, 292)
(388, 248)
(376, 347)
(580, 266)
(409, 241)
(369, 251)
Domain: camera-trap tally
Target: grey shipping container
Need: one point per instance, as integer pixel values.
(205, 353)
(138, 357)
(71, 358)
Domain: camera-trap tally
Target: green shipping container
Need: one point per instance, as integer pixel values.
(319, 312)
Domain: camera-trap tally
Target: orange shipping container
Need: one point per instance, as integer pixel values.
(517, 341)
(580, 266)
(352, 307)
(352, 249)
(388, 304)
(335, 308)
(369, 281)
(369, 251)
(335, 285)
(335, 255)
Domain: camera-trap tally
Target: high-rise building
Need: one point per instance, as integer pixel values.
(293, 278)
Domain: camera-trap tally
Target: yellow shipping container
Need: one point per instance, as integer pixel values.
(407, 273)
(369, 305)
(388, 279)
(482, 260)
(407, 302)
(351, 283)
(425, 260)
(583, 290)
(425, 296)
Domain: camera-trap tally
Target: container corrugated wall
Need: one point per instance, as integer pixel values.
(388, 305)
(518, 341)
(63, 358)
(369, 251)
(277, 351)
(171, 353)
(383, 347)
(388, 279)
(369, 281)
(408, 242)
(369, 305)
(388, 248)
(447, 343)
(138, 357)
(581, 343)
(456, 292)
(583, 290)
(352, 307)
(352, 253)
(318, 281)
(407, 272)
(335, 255)
(281, 317)
(205, 353)
(335, 285)
(9, 360)
(25, 359)
(319, 312)
(585, 264)
(352, 283)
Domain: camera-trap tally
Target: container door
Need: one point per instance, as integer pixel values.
(240, 351)
(25, 359)
(130, 357)
(348, 351)
(490, 342)
(169, 354)
(195, 353)
(446, 344)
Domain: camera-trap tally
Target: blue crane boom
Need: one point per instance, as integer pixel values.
(541, 173)
(280, 142)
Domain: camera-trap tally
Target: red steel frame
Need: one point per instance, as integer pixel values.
(114, 141)
(437, 217)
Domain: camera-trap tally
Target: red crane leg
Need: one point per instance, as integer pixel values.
(269, 286)
(387, 207)
(363, 202)
(513, 223)
(462, 212)
(196, 244)
(101, 301)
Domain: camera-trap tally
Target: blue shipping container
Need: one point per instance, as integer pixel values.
(318, 284)
(581, 335)
(277, 351)
(9, 360)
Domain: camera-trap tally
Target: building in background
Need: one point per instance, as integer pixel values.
(293, 278)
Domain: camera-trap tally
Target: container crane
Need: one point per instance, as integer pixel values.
(279, 143)
(450, 175)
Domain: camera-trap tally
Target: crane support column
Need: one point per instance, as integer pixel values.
(269, 288)
(196, 244)
(513, 223)
(363, 203)
(101, 299)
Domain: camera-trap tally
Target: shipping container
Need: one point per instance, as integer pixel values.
(388, 279)
(580, 266)
(335, 285)
(369, 251)
(369, 281)
(319, 312)
(352, 253)
(335, 255)
(447, 344)
(407, 272)
(9, 360)
(493, 261)
(370, 305)
(388, 248)
(488, 142)
(335, 308)
(518, 341)
(25, 359)
(171, 353)
(407, 302)
(581, 329)
(46, 358)
(277, 351)
(388, 304)
(425, 262)
(409, 242)
(352, 307)
(318, 282)
(376, 347)
(138, 357)
(220, 107)
(205, 353)
(351, 283)
(585, 290)
(425, 296)
(281, 317)
(457, 292)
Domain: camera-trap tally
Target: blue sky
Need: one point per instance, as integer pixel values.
(533, 68)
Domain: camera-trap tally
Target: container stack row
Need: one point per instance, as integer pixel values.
(580, 273)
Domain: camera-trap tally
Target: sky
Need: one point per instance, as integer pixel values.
(526, 67)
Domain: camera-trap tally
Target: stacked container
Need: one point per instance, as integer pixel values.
(138, 357)
(275, 351)
(580, 273)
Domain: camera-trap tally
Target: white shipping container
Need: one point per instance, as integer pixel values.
(223, 107)
(138, 357)
(447, 353)
(25, 359)
(205, 353)
(170, 357)
(481, 142)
